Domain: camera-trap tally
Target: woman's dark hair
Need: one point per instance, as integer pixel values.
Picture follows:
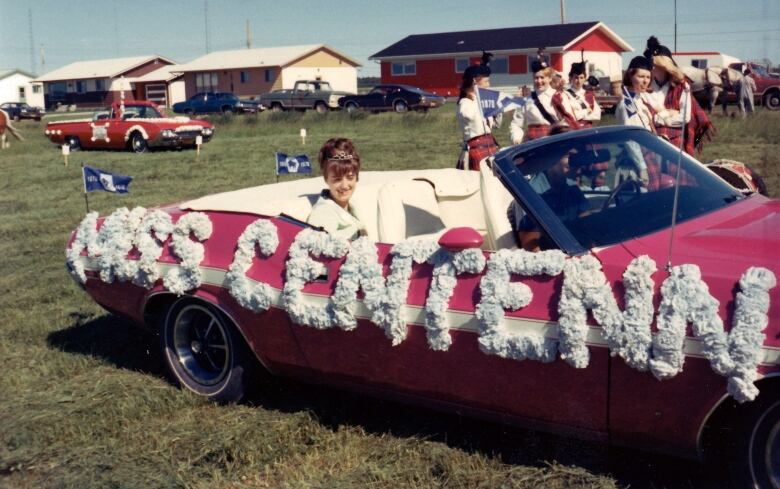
(466, 85)
(339, 156)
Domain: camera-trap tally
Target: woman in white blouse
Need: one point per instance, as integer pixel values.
(478, 140)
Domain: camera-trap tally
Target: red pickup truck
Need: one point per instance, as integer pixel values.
(138, 126)
(767, 86)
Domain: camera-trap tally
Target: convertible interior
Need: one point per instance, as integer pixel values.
(393, 205)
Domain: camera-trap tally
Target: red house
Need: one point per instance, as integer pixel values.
(435, 62)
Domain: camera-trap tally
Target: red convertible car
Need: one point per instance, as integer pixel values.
(138, 126)
(627, 325)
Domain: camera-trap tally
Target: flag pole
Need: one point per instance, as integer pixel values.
(84, 183)
(276, 165)
(676, 199)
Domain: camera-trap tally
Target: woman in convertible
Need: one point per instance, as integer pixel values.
(340, 166)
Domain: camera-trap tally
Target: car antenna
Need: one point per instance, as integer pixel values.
(685, 103)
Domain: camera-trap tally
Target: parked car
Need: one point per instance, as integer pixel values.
(306, 94)
(399, 98)
(138, 126)
(18, 111)
(592, 336)
(767, 91)
(216, 102)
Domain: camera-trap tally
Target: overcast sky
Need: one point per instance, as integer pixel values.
(78, 30)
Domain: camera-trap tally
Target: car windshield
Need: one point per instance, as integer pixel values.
(140, 112)
(614, 186)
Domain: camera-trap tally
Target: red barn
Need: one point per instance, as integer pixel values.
(435, 62)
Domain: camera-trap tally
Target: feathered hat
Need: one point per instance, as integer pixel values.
(538, 64)
(482, 69)
(661, 57)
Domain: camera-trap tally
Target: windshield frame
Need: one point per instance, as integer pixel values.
(535, 206)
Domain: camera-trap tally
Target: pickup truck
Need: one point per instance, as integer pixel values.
(216, 102)
(306, 94)
(138, 126)
(767, 86)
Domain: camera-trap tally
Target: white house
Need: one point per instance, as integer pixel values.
(18, 86)
(248, 72)
(704, 59)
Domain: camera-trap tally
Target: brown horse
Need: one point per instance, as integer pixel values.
(5, 123)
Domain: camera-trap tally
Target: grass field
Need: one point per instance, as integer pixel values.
(83, 399)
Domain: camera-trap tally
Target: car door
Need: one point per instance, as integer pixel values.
(463, 376)
(375, 98)
(300, 94)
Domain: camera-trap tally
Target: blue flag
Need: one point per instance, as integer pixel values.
(495, 102)
(292, 164)
(97, 179)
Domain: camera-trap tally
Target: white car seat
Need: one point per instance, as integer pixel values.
(496, 200)
(407, 208)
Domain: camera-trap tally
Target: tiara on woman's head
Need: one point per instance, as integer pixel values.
(341, 156)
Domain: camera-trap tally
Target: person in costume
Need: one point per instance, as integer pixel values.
(583, 102)
(745, 94)
(634, 109)
(478, 140)
(340, 166)
(672, 102)
(535, 118)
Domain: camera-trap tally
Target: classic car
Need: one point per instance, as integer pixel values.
(216, 103)
(305, 94)
(399, 98)
(18, 111)
(628, 326)
(138, 126)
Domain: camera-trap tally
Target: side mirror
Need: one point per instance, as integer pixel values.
(459, 239)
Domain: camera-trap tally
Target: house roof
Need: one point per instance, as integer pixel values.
(6, 73)
(164, 74)
(99, 68)
(251, 58)
(555, 36)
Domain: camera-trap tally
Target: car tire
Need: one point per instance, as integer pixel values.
(138, 144)
(321, 107)
(189, 112)
(227, 109)
(400, 106)
(772, 100)
(204, 352)
(16, 118)
(754, 450)
(73, 142)
(276, 107)
(351, 107)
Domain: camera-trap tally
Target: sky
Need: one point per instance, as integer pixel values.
(79, 30)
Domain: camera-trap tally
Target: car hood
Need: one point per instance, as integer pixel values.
(744, 234)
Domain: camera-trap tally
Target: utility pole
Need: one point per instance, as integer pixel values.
(563, 11)
(32, 41)
(43, 60)
(248, 36)
(206, 19)
(675, 26)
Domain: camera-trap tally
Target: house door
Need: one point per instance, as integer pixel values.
(22, 95)
(156, 93)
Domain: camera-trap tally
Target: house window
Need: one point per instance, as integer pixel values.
(405, 68)
(36, 88)
(499, 65)
(244, 77)
(269, 74)
(206, 82)
(531, 59)
(461, 64)
(81, 86)
(100, 85)
(699, 63)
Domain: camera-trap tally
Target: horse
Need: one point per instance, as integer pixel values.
(707, 85)
(5, 123)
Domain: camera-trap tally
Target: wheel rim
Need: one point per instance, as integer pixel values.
(765, 450)
(139, 145)
(351, 108)
(774, 101)
(201, 345)
(400, 107)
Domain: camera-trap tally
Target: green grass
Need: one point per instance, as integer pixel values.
(83, 399)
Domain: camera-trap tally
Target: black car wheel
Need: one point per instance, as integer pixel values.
(351, 107)
(189, 112)
(204, 353)
(772, 101)
(400, 106)
(73, 142)
(321, 107)
(756, 459)
(16, 118)
(277, 107)
(227, 109)
(138, 144)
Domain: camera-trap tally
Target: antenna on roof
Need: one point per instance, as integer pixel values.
(248, 36)
(32, 42)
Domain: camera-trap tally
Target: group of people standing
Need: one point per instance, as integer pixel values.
(657, 96)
